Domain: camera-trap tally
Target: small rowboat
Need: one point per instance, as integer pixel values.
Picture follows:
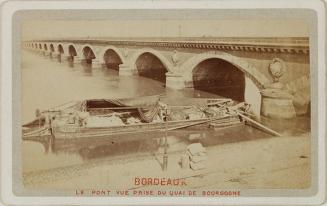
(101, 118)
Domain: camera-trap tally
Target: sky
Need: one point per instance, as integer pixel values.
(40, 29)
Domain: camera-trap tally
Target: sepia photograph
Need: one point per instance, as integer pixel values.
(165, 103)
(127, 110)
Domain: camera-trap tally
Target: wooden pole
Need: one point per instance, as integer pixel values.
(259, 125)
(193, 124)
(165, 156)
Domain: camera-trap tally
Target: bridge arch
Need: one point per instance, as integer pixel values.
(112, 57)
(250, 71)
(88, 54)
(52, 48)
(88, 48)
(72, 51)
(158, 54)
(151, 64)
(60, 49)
(45, 47)
(243, 79)
(40, 46)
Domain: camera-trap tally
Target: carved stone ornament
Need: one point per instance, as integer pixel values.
(277, 69)
(175, 57)
(125, 52)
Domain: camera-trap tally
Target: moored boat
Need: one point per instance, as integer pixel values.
(100, 118)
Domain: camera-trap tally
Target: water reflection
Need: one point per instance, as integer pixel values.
(77, 81)
(112, 147)
(71, 63)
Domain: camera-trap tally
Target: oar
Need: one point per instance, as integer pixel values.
(258, 124)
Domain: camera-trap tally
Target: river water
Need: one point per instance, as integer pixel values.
(47, 83)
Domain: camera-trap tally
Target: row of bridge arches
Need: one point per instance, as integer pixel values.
(214, 75)
(146, 63)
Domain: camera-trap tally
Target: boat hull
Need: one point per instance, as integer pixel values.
(73, 131)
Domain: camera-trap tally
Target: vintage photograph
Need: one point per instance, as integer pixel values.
(164, 105)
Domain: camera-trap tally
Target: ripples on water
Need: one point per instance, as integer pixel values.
(47, 83)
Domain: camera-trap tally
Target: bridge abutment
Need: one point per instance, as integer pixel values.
(126, 70)
(252, 96)
(175, 81)
(65, 58)
(77, 59)
(97, 64)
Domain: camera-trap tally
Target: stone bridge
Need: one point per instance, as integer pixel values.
(232, 67)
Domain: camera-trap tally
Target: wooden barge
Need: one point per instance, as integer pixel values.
(148, 114)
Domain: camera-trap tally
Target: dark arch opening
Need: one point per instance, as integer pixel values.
(112, 59)
(60, 49)
(45, 47)
(40, 46)
(35, 45)
(72, 52)
(52, 48)
(88, 55)
(150, 66)
(219, 77)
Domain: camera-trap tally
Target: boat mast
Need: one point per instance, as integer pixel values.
(165, 156)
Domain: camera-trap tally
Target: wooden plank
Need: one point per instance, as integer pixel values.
(259, 125)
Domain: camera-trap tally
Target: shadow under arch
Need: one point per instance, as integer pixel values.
(219, 77)
(72, 52)
(88, 54)
(52, 49)
(60, 49)
(249, 71)
(151, 64)
(112, 58)
(239, 70)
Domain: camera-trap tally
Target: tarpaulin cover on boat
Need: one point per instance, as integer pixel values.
(147, 107)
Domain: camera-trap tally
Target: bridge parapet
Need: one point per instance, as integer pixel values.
(259, 44)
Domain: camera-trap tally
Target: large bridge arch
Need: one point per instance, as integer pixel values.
(92, 48)
(112, 57)
(158, 54)
(253, 80)
(253, 73)
(151, 64)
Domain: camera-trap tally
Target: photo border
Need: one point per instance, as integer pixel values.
(8, 10)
